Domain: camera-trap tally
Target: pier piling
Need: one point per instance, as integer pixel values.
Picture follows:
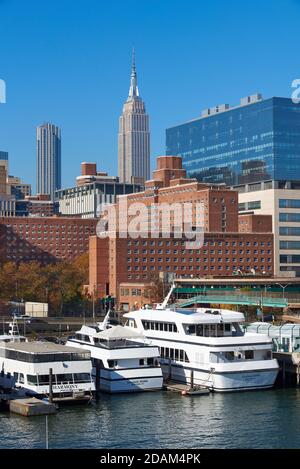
(192, 379)
(97, 383)
(169, 370)
(50, 385)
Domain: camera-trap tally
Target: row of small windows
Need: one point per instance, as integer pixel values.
(159, 326)
(206, 243)
(43, 380)
(47, 227)
(132, 292)
(145, 276)
(197, 259)
(190, 251)
(196, 251)
(197, 267)
(177, 355)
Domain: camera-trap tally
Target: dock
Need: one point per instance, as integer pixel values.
(186, 389)
(76, 397)
(289, 363)
(31, 407)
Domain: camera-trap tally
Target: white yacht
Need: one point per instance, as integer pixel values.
(30, 364)
(211, 344)
(124, 359)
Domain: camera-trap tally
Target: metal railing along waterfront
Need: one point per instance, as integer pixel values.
(286, 337)
(290, 296)
(221, 298)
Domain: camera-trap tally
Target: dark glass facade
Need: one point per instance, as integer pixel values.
(4, 155)
(245, 144)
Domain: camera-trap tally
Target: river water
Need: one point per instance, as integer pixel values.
(257, 419)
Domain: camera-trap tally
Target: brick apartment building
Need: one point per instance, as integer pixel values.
(44, 239)
(117, 262)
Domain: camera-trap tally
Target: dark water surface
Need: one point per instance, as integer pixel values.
(259, 419)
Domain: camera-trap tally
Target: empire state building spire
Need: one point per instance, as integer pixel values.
(134, 136)
(133, 90)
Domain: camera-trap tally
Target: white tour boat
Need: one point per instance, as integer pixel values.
(125, 359)
(211, 344)
(30, 363)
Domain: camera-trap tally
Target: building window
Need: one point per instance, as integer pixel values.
(289, 217)
(289, 203)
(289, 231)
(289, 245)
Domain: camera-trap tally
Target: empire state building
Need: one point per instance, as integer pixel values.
(134, 136)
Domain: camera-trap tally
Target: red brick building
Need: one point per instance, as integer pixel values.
(225, 249)
(254, 223)
(44, 239)
(40, 205)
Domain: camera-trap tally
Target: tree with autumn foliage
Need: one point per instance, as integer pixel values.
(155, 291)
(60, 284)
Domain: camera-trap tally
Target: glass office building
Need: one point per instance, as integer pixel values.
(258, 140)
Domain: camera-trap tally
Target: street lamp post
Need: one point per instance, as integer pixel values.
(262, 301)
(94, 288)
(283, 289)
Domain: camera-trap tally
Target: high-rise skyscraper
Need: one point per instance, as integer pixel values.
(134, 136)
(48, 159)
(259, 140)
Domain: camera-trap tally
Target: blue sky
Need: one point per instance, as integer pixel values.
(68, 62)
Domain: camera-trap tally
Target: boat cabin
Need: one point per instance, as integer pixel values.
(30, 364)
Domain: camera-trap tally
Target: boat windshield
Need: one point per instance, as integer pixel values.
(118, 343)
(209, 330)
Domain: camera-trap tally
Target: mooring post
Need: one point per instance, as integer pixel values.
(192, 379)
(169, 369)
(97, 383)
(50, 385)
(283, 373)
(47, 433)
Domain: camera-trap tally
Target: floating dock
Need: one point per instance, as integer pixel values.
(186, 389)
(31, 407)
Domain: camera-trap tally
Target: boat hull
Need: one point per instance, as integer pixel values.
(224, 381)
(128, 381)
